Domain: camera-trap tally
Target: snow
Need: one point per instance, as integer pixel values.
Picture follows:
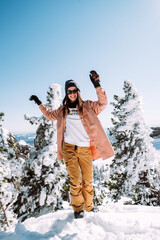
(22, 142)
(100, 162)
(113, 222)
(42, 197)
(4, 133)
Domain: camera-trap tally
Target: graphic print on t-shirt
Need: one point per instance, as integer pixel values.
(72, 111)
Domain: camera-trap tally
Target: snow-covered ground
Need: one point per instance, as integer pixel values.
(114, 222)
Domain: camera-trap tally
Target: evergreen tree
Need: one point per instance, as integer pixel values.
(43, 175)
(101, 178)
(8, 194)
(132, 169)
(10, 173)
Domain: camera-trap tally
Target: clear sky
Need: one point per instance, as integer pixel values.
(49, 41)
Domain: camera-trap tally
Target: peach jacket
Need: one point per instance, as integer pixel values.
(100, 144)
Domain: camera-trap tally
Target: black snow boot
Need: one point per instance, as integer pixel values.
(79, 214)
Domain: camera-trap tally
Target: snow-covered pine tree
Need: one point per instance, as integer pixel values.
(132, 169)
(10, 173)
(7, 194)
(101, 178)
(43, 175)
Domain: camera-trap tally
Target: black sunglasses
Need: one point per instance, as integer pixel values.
(69, 92)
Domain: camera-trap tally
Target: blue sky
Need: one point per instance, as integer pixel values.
(49, 41)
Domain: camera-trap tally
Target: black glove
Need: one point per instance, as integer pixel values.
(36, 99)
(93, 76)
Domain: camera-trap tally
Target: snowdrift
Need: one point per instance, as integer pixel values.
(114, 222)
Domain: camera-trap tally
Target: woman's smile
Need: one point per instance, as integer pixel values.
(72, 96)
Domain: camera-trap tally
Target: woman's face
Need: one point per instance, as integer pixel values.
(72, 93)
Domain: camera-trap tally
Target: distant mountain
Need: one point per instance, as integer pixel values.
(155, 132)
(27, 137)
(156, 143)
(155, 135)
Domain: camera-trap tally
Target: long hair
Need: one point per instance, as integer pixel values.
(66, 102)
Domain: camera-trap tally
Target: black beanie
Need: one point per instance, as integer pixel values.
(70, 83)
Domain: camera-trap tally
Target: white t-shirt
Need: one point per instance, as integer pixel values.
(74, 132)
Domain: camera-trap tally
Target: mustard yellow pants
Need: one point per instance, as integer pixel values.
(78, 162)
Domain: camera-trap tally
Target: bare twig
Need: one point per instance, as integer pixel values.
(5, 216)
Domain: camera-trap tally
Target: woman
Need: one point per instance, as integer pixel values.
(80, 138)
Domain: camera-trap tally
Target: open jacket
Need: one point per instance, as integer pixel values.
(100, 144)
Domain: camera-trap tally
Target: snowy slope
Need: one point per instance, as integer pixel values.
(114, 222)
